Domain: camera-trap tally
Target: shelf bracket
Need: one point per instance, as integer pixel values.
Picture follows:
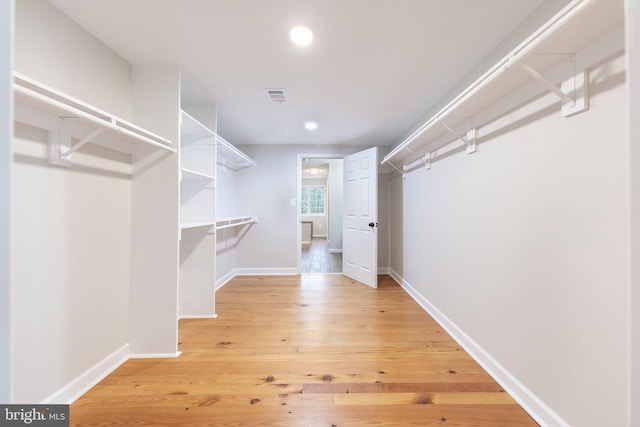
(59, 143)
(573, 92)
(427, 160)
(469, 139)
(81, 143)
(404, 175)
(553, 88)
(579, 85)
(60, 147)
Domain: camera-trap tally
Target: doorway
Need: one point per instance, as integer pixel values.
(320, 210)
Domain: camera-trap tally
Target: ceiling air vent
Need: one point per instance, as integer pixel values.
(277, 96)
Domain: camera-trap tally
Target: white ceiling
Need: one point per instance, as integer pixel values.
(374, 69)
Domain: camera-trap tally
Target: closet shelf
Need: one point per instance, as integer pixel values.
(235, 222)
(232, 158)
(192, 130)
(487, 98)
(66, 117)
(191, 175)
(187, 225)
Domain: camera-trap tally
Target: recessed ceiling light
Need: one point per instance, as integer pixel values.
(302, 36)
(311, 126)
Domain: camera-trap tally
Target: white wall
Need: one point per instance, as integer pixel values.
(153, 326)
(70, 263)
(530, 235)
(336, 178)
(226, 193)
(71, 230)
(396, 224)
(53, 49)
(226, 207)
(633, 71)
(265, 191)
(384, 222)
(6, 132)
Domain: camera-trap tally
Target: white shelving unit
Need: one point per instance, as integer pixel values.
(231, 222)
(71, 125)
(554, 58)
(197, 173)
(67, 118)
(197, 215)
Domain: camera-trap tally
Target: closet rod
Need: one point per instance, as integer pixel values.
(235, 224)
(99, 120)
(504, 65)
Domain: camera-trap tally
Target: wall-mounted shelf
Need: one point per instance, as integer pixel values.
(235, 222)
(188, 225)
(232, 158)
(191, 175)
(546, 60)
(197, 154)
(67, 118)
(197, 173)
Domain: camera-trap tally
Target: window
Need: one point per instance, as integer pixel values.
(313, 200)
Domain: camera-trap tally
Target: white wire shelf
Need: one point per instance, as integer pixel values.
(235, 222)
(579, 24)
(232, 158)
(67, 118)
(191, 175)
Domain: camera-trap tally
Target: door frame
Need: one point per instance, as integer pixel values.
(300, 158)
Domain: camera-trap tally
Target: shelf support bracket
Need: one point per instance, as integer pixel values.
(59, 143)
(60, 147)
(579, 85)
(573, 92)
(469, 139)
(427, 160)
(404, 175)
(553, 88)
(81, 143)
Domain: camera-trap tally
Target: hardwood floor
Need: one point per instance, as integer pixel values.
(312, 350)
(316, 258)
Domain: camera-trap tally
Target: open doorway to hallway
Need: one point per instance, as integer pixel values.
(320, 214)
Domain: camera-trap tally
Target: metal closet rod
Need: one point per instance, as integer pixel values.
(548, 29)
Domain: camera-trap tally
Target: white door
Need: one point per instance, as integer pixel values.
(360, 239)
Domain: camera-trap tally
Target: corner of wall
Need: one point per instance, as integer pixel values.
(6, 134)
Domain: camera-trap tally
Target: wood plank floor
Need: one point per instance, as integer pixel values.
(311, 350)
(316, 257)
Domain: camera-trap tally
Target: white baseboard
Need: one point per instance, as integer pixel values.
(89, 378)
(384, 270)
(335, 251)
(155, 355)
(225, 279)
(306, 242)
(195, 316)
(266, 271)
(538, 410)
(254, 272)
(391, 272)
